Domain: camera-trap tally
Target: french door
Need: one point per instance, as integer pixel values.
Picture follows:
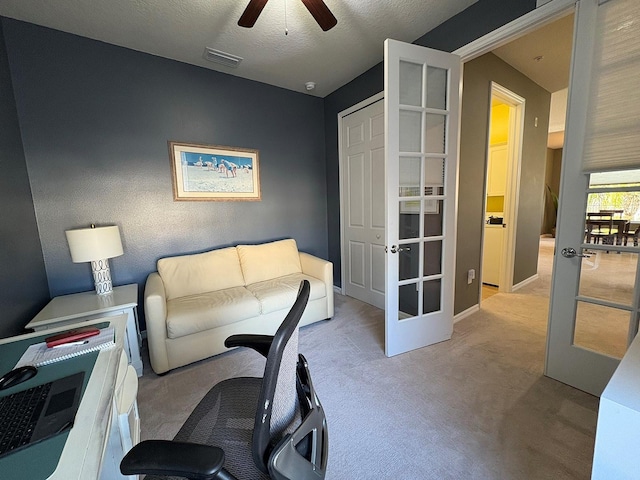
(594, 305)
(422, 98)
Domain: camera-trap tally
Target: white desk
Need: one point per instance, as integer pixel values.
(81, 307)
(88, 440)
(618, 431)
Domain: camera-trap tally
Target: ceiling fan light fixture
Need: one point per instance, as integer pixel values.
(317, 8)
(223, 58)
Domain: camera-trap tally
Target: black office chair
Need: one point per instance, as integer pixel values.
(249, 428)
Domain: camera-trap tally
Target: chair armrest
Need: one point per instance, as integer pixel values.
(260, 343)
(162, 457)
(155, 314)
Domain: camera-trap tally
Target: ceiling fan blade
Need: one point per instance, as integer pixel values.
(251, 13)
(321, 13)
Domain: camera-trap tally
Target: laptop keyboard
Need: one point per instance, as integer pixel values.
(19, 413)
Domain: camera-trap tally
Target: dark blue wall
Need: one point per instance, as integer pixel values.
(23, 279)
(95, 122)
(472, 23)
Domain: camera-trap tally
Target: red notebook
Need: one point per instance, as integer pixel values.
(71, 336)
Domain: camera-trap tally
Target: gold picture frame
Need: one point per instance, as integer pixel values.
(214, 172)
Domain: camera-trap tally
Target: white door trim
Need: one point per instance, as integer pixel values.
(341, 176)
(514, 163)
(519, 27)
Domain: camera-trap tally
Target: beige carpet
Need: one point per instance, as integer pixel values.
(475, 407)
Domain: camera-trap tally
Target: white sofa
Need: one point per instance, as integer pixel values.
(194, 302)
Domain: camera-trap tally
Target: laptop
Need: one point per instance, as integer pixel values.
(35, 414)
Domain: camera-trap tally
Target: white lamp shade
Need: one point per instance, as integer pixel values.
(90, 244)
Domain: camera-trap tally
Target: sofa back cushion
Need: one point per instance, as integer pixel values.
(200, 273)
(269, 260)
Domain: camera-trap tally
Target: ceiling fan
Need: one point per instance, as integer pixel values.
(317, 8)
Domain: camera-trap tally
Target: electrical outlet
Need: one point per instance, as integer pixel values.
(471, 274)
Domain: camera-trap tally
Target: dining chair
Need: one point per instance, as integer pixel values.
(631, 233)
(600, 228)
(613, 212)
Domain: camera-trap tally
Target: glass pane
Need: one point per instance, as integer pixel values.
(435, 133)
(602, 329)
(431, 296)
(410, 131)
(432, 258)
(626, 177)
(436, 88)
(434, 176)
(407, 301)
(609, 276)
(433, 218)
(408, 261)
(409, 224)
(624, 206)
(410, 84)
(409, 176)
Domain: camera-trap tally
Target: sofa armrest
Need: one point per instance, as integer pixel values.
(155, 311)
(321, 269)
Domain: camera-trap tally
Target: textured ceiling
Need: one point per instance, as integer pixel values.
(181, 29)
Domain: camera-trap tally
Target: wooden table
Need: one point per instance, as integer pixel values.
(618, 223)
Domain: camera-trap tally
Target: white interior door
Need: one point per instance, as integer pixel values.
(422, 98)
(594, 294)
(362, 178)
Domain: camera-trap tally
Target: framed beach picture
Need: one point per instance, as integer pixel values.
(213, 172)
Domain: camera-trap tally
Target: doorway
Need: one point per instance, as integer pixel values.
(468, 292)
(504, 155)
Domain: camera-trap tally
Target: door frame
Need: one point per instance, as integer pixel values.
(515, 137)
(343, 206)
(536, 18)
(519, 27)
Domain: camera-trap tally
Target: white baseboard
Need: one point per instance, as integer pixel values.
(524, 283)
(466, 313)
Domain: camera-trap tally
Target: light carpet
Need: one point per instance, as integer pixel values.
(474, 407)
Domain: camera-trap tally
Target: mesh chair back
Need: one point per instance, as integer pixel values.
(278, 402)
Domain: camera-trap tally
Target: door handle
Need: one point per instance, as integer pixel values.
(571, 252)
(395, 249)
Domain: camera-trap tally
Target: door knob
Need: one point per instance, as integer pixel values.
(395, 249)
(571, 252)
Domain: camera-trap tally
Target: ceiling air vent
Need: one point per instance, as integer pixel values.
(222, 58)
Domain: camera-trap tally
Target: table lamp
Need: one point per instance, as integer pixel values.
(96, 245)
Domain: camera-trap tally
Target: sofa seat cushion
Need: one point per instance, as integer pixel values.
(201, 273)
(280, 293)
(197, 313)
(269, 260)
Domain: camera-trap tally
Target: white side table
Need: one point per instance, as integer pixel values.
(80, 307)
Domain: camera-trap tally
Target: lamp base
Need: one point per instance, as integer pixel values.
(101, 276)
